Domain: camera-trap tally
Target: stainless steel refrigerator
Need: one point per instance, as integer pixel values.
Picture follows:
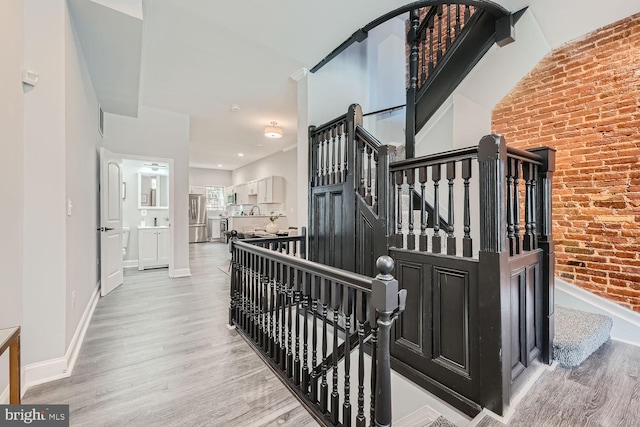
(197, 218)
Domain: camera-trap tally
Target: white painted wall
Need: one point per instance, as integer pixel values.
(282, 163)
(82, 175)
(44, 289)
(161, 134)
(12, 171)
(202, 177)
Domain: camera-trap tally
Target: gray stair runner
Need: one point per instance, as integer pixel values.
(578, 334)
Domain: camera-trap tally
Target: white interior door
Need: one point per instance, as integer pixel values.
(110, 221)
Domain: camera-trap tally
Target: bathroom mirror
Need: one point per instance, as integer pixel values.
(153, 191)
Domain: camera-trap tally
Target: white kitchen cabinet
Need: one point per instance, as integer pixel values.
(153, 247)
(271, 190)
(242, 194)
(196, 190)
(252, 188)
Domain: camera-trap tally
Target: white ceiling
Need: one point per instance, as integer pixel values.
(198, 57)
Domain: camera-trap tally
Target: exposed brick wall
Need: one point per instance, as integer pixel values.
(584, 100)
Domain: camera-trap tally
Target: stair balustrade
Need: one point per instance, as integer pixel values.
(309, 322)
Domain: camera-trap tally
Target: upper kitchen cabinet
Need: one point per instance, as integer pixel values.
(252, 188)
(271, 190)
(242, 194)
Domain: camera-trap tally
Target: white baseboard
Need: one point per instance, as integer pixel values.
(61, 367)
(180, 272)
(78, 336)
(626, 323)
(130, 263)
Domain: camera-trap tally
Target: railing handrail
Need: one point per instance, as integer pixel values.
(526, 156)
(354, 280)
(432, 159)
(371, 140)
(330, 123)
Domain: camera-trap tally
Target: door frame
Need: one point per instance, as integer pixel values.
(172, 228)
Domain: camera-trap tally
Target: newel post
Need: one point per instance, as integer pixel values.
(388, 301)
(412, 89)
(547, 244)
(493, 260)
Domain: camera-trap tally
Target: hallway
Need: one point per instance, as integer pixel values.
(158, 352)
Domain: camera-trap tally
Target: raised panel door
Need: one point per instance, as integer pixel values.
(147, 248)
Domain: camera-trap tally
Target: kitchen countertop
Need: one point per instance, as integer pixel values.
(142, 227)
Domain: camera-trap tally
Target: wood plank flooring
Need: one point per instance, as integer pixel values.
(158, 353)
(603, 391)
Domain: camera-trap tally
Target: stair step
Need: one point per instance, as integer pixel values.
(578, 334)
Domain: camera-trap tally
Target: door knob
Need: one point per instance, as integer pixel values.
(105, 229)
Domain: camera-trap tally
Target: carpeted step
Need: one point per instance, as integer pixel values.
(578, 334)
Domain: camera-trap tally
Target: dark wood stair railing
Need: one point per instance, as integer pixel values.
(282, 304)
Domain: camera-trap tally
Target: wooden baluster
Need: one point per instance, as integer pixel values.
(516, 204)
(431, 43)
(451, 239)
(340, 131)
(423, 57)
(436, 245)
(334, 133)
(527, 175)
(376, 191)
(373, 319)
(511, 162)
(411, 237)
(283, 315)
(324, 386)
(327, 154)
(276, 314)
(439, 52)
(399, 179)
(534, 207)
(362, 168)
(347, 308)
(345, 153)
(272, 308)
(305, 345)
(369, 197)
(467, 244)
(457, 20)
(321, 158)
(422, 177)
(336, 302)
(315, 295)
(361, 316)
(448, 27)
(290, 302)
(297, 296)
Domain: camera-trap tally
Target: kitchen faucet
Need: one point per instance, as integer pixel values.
(254, 206)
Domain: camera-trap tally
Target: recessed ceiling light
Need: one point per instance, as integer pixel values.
(219, 166)
(240, 155)
(259, 145)
(235, 107)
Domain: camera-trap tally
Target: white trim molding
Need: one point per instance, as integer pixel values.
(130, 263)
(626, 323)
(180, 272)
(61, 367)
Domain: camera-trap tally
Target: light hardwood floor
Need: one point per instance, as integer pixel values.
(158, 353)
(604, 391)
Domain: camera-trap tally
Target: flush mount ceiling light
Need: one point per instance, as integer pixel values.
(273, 131)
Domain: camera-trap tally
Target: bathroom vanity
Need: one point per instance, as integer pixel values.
(153, 247)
